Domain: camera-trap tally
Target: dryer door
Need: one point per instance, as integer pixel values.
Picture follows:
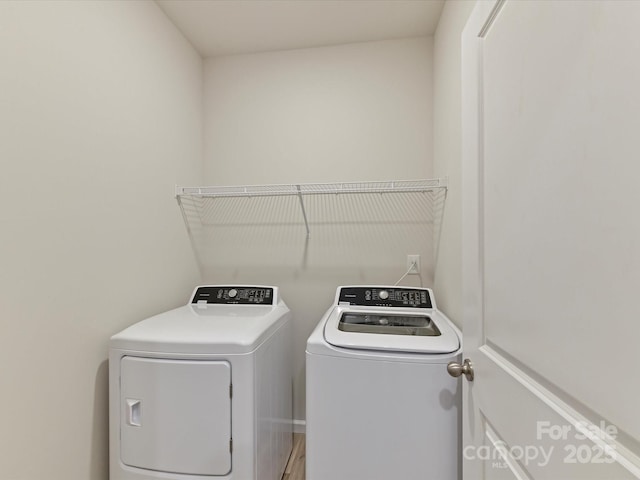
(175, 415)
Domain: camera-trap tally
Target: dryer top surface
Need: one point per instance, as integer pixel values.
(204, 329)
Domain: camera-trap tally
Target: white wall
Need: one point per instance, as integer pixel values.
(100, 115)
(352, 112)
(447, 142)
(345, 113)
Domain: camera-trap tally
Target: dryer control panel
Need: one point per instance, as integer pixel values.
(229, 295)
(385, 297)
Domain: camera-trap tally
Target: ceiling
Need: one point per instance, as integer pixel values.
(229, 27)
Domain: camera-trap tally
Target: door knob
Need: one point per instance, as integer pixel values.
(455, 369)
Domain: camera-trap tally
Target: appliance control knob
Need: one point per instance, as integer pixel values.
(383, 294)
(232, 293)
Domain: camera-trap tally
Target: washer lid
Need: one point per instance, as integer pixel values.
(392, 329)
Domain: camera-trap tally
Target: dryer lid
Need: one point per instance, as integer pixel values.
(204, 329)
(390, 329)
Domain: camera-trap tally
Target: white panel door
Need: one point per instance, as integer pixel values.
(551, 120)
(175, 415)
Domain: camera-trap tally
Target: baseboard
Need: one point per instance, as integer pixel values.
(299, 426)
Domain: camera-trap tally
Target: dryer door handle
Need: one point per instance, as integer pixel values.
(134, 412)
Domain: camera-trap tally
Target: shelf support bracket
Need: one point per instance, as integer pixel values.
(304, 212)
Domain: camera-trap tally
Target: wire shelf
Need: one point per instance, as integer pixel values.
(391, 211)
(400, 186)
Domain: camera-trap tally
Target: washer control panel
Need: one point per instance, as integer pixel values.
(385, 297)
(230, 295)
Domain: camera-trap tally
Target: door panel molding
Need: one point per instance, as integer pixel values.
(597, 433)
(495, 10)
(518, 472)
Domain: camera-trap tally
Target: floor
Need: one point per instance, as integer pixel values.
(295, 467)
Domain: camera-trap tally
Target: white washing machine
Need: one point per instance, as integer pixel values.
(204, 391)
(380, 403)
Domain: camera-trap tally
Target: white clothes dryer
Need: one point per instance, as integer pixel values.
(204, 391)
(380, 403)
